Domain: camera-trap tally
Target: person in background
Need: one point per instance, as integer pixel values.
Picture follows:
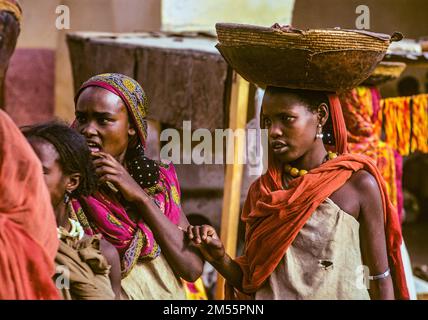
(426, 82)
(408, 86)
(28, 238)
(92, 263)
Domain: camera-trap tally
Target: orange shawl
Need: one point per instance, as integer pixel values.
(274, 216)
(28, 236)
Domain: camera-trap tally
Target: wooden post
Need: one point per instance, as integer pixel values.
(233, 179)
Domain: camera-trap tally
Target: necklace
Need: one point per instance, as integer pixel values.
(294, 172)
(75, 232)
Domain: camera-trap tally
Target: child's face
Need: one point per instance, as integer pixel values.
(55, 178)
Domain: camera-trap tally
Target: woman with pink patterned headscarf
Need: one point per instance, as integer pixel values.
(137, 208)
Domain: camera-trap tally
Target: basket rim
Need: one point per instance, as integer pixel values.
(249, 28)
(311, 50)
(385, 72)
(389, 68)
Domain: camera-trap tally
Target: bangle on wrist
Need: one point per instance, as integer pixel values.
(381, 276)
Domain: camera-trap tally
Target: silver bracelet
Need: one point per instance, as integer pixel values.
(381, 276)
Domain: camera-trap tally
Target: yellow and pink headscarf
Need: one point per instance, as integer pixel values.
(129, 91)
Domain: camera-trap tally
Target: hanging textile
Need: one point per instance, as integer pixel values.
(363, 118)
(405, 121)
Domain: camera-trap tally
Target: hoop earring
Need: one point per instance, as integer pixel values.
(319, 134)
(66, 197)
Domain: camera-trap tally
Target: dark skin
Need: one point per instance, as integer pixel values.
(103, 119)
(292, 127)
(58, 184)
(9, 31)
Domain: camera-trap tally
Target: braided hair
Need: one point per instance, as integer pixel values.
(74, 155)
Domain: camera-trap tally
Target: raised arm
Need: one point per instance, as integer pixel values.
(184, 259)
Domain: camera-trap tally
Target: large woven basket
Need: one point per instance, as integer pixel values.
(384, 72)
(318, 59)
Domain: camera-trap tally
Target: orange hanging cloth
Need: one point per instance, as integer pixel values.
(420, 123)
(406, 123)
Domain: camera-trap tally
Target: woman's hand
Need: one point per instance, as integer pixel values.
(206, 239)
(108, 169)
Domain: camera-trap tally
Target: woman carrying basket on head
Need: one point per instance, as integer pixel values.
(317, 221)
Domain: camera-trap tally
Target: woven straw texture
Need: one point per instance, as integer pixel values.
(318, 59)
(384, 72)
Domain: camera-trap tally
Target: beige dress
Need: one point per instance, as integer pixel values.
(323, 263)
(82, 271)
(153, 280)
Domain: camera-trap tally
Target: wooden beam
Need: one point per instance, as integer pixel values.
(233, 179)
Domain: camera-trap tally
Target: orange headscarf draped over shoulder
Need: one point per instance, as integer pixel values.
(274, 216)
(28, 236)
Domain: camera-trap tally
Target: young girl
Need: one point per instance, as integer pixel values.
(92, 263)
(316, 219)
(138, 207)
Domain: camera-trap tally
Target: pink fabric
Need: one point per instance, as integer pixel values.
(114, 223)
(375, 103)
(105, 213)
